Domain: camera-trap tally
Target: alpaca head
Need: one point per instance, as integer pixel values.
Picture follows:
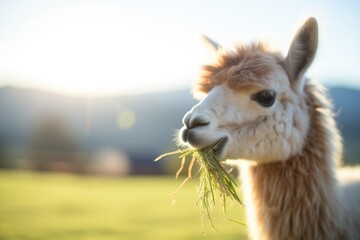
(253, 105)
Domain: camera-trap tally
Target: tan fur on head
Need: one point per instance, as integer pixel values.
(248, 65)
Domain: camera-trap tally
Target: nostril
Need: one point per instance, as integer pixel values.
(197, 122)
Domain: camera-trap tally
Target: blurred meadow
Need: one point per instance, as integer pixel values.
(91, 92)
(64, 206)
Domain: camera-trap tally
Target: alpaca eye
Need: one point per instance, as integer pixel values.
(265, 98)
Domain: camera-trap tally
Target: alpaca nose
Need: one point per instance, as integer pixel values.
(197, 122)
(194, 121)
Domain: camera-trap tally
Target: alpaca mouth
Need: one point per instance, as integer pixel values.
(219, 146)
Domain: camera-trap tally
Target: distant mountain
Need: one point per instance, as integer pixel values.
(345, 101)
(348, 118)
(141, 126)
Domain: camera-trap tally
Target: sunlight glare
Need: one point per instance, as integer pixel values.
(97, 52)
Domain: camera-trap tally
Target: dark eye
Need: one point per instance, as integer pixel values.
(265, 98)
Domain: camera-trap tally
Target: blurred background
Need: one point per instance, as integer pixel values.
(96, 89)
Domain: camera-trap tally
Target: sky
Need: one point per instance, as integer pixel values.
(124, 47)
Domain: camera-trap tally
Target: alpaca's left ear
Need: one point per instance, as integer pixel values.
(213, 46)
(302, 52)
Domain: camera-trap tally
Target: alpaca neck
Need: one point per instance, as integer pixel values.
(296, 198)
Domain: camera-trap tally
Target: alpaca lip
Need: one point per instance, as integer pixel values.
(219, 146)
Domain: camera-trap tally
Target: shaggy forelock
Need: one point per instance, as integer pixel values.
(248, 65)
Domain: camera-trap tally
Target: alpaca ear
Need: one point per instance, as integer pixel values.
(302, 52)
(213, 46)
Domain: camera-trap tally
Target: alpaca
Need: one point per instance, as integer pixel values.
(257, 107)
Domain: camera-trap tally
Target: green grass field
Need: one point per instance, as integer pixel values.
(60, 206)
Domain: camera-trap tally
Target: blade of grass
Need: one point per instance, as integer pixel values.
(215, 179)
(181, 167)
(168, 154)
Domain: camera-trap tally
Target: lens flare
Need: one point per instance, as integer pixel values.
(126, 119)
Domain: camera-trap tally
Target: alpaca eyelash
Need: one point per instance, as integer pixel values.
(265, 98)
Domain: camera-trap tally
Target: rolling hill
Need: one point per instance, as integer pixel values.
(140, 126)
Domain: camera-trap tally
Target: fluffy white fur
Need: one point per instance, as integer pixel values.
(288, 150)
